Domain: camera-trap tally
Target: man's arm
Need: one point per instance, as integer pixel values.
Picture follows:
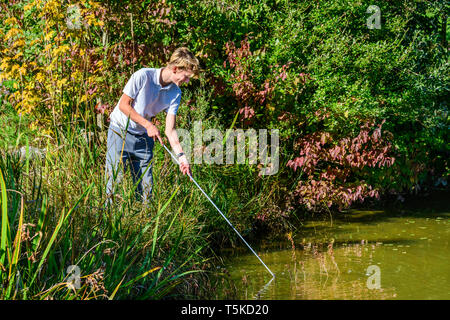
(128, 110)
(172, 135)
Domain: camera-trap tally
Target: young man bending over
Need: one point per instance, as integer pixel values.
(131, 134)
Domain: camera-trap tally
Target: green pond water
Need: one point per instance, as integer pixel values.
(363, 254)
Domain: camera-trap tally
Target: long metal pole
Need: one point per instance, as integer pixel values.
(223, 216)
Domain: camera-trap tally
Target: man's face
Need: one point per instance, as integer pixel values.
(181, 76)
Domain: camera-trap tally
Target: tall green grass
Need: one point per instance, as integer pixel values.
(53, 217)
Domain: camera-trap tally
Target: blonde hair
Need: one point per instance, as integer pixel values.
(184, 59)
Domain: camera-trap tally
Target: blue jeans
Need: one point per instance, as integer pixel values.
(137, 154)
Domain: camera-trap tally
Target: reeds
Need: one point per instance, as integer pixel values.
(54, 221)
(54, 199)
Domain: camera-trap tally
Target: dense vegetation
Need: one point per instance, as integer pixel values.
(362, 113)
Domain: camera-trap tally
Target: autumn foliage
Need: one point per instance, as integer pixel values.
(332, 167)
(249, 94)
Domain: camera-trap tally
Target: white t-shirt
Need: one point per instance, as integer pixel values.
(150, 98)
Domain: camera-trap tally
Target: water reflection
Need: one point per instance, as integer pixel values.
(332, 262)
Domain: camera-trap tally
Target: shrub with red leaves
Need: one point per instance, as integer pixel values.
(249, 94)
(329, 165)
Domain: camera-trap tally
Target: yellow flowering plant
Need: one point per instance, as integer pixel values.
(46, 60)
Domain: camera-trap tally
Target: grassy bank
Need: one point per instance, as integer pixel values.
(54, 218)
